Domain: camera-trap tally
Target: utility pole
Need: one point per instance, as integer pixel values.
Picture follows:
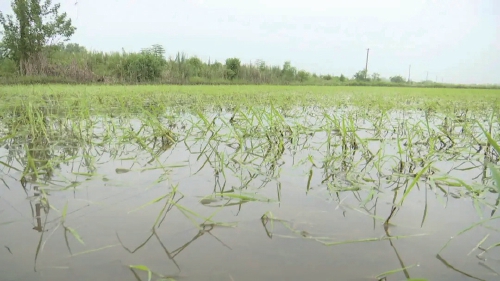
(409, 71)
(366, 66)
(427, 77)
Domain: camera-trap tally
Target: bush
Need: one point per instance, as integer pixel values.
(397, 79)
(7, 67)
(143, 67)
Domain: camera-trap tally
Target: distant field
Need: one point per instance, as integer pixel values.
(249, 183)
(131, 97)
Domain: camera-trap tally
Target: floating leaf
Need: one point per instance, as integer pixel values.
(75, 234)
(143, 268)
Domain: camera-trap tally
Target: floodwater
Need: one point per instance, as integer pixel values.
(290, 209)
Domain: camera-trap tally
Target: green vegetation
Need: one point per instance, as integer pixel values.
(382, 165)
(28, 35)
(72, 63)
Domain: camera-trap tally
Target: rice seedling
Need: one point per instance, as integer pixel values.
(203, 169)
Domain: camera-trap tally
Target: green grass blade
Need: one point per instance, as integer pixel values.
(413, 183)
(496, 176)
(393, 271)
(143, 268)
(75, 234)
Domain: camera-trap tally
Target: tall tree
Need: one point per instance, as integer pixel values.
(233, 66)
(33, 26)
(303, 75)
(288, 72)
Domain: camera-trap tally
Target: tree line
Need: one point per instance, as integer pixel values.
(34, 48)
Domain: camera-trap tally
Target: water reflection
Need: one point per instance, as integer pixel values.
(38, 207)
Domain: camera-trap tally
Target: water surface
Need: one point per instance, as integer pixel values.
(254, 195)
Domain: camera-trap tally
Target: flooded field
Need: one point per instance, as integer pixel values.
(255, 185)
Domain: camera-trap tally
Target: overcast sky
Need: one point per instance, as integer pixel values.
(456, 40)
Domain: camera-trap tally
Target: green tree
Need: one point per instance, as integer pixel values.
(303, 75)
(288, 72)
(216, 65)
(376, 77)
(361, 76)
(74, 48)
(327, 77)
(397, 79)
(342, 78)
(142, 67)
(35, 26)
(181, 67)
(156, 50)
(195, 66)
(261, 65)
(7, 66)
(232, 68)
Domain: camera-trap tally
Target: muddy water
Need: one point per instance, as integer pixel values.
(316, 214)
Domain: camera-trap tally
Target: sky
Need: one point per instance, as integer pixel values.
(453, 41)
